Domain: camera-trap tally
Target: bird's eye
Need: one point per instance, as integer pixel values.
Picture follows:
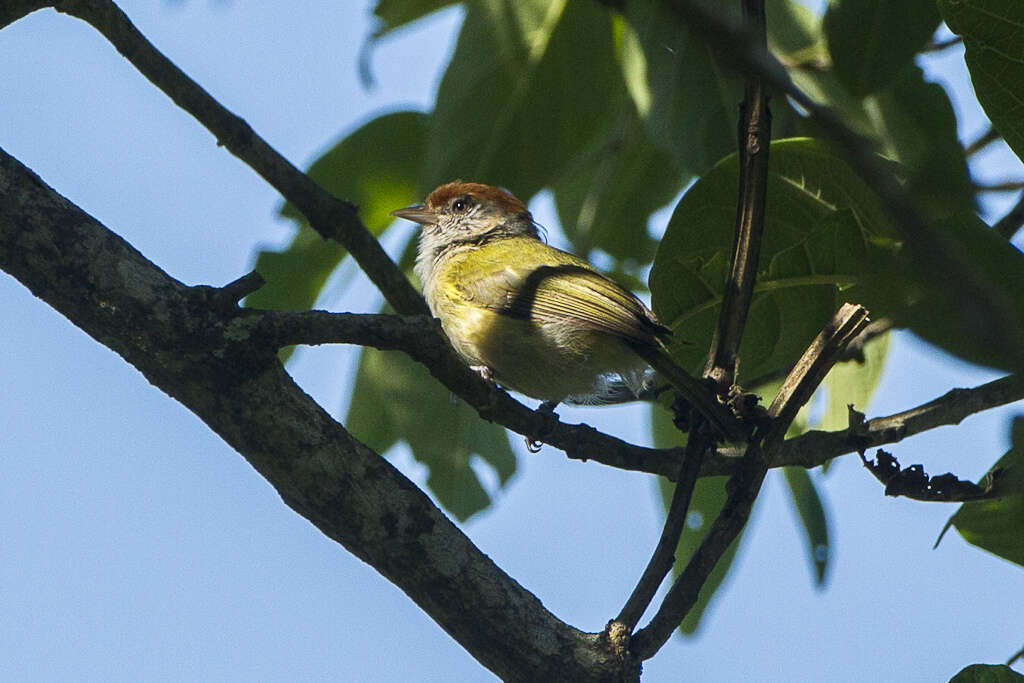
(460, 205)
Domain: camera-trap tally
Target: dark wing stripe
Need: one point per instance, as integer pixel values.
(567, 292)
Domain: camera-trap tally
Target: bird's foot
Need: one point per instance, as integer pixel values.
(547, 409)
(483, 371)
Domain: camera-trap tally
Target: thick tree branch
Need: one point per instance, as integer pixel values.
(184, 342)
(333, 218)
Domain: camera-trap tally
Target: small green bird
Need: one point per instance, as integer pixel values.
(533, 318)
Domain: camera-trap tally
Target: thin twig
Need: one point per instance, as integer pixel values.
(1008, 225)
(939, 45)
(753, 137)
(745, 484)
(1013, 658)
(675, 520)
(417, 336)
(983, 141)
(754, 133)
(816, 447)
(1003, 186)
(333, 218)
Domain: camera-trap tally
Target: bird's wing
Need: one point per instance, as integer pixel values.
(565, 292)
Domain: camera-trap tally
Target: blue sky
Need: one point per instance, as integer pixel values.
(137, 546)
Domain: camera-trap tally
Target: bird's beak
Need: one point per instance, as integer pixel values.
(417, 213)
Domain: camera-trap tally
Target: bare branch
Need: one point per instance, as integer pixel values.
(417, 336)
(755, 132)
(1008, 225)
(333, 218)
(663, 557)
(201, 356)
(815, 447)
(983, 141)
(745, 483)
(1002, 186)
(939, 45)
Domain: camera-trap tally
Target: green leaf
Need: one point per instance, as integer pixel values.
(607, 197)
(987, 673)
(688, 105)
(871, 41)
(826, 235)
(853, 383)
(395, 399)
(707, 501)
(918, 128)
(998, 525)
(794, 30)
(938, 314)
(993, 32)
(295, 275)
(376, 167)
(807, 501)
(531, 84)
(393, 14)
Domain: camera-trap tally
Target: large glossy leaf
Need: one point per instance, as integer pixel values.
(872, 41)
(377, 168)
(993, 32)
(531, 84)
(998, 525)
(918, 127)
(396, 400)
(688, 104)
(606, 198)
(707, 501)
(826, 236)
(813, 521)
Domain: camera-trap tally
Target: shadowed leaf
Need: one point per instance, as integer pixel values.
(514, 64)
(396, 400)
(825, 234)
(993, 32)
(813, 521)
(872, 41)
(376, 167)
(998, 525)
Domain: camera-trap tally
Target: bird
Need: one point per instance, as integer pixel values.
(533, 318)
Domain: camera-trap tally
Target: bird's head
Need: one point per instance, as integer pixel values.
(459, 212)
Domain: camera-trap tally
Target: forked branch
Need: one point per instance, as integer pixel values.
(744, 485)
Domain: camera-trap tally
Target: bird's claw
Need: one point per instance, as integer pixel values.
(547, 409)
